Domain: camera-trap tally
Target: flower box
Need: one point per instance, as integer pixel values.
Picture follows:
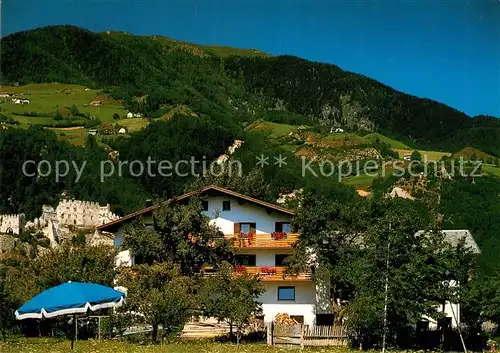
(267, 270)
(240, 268)
(245, 236)
(278, 235)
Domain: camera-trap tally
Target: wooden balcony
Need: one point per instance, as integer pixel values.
(262, 241)
(271, 273)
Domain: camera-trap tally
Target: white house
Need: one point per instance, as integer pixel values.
(262, 236)
(122, 131)
(454, 237)
(269, 242)
(130, 115)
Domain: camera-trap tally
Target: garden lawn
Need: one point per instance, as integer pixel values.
(49, 345)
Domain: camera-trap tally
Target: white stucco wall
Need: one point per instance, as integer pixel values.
(304, 303)
(451, 310)
(242, 213)
(264, 257)
(124, 258)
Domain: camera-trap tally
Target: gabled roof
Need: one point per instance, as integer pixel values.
(201, 191)
(455, 236)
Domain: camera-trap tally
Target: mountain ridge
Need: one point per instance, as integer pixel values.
(236, 84)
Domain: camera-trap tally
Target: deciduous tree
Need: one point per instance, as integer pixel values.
(231, 297)
(161, 294)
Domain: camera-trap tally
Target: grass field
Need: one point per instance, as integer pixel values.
(275, 130)
(74, 135)
(491, 169)
(47, 98)
(391, 142)
(343, 139)
(431, 155)
(133, 124)
(40, 345)
(362, 181)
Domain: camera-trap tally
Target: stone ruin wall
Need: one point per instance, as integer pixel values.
(12, 223)
(82, 213)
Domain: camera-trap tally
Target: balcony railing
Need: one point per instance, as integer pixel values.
(274, 273)
(263, 241)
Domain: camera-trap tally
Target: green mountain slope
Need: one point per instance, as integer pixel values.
(236, 85)
(374, 137)
(212, 96)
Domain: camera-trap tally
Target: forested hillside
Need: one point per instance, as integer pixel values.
(198, 100)
(235, 87)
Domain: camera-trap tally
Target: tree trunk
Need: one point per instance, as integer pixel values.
(155, 333)
(238, 336)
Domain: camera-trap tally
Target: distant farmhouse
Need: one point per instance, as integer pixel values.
(20, 101)
(133, 115)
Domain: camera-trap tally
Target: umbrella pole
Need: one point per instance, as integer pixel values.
(73, 335)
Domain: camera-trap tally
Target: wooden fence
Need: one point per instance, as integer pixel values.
(305, 335)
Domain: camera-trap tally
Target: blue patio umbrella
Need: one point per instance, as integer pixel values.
(70, 299)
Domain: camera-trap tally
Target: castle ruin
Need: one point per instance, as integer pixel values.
(77, 213)
(56, 223)
(12, 223)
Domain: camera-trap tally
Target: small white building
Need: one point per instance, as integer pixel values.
(122, 131)
(130, 115)
(16, 100)
(93, 132)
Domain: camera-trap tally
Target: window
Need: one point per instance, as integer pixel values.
(248, 228)
(283, 227)
(298, 318)
(286, 293)
(204, 205)
(245, 260)
(279, 259)
(324, 319)
(226, 205)
(245, 227)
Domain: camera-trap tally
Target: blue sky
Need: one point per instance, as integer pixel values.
(447, 50)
